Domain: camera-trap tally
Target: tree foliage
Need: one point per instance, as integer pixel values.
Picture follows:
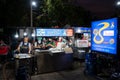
(57, 12)
(49, 13)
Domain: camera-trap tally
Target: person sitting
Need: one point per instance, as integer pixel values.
(24, 46)
(37, 44)
(50, 44)
(60, 43)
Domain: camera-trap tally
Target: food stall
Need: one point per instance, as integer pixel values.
(53, 59)
(82, 40)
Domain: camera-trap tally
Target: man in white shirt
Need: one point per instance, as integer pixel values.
(24, 46)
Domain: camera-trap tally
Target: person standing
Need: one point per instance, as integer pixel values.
(24, 46)
(24, 66)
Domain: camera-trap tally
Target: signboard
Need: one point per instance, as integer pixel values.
(82, 30)
(104, 36)
(54, 32)
(82, 43)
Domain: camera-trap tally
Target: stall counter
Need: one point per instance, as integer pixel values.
(50, 61)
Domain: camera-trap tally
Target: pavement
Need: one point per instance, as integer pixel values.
(75, 74)
(63, 75)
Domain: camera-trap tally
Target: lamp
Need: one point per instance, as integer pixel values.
(16, 35)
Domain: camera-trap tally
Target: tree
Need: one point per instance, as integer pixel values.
(49, 13)
(57, 12)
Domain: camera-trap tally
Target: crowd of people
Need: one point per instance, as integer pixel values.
(45, 43)
(26, 46)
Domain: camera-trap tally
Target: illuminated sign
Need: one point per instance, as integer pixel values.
(82, 29)
(54, 32)
(104, 36)
(82, 43)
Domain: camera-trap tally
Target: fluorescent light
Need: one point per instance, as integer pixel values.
(25, 34)
(33, 34)
(118, 3)
(34, 3)
(79, 31)
(16, 35)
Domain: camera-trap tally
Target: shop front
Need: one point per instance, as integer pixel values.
(52, 50)
(82, 42)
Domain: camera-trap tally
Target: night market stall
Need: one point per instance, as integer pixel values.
(82, 42)
(53, 52)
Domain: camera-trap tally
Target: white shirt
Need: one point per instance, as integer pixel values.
(29, 44)
(59, 45)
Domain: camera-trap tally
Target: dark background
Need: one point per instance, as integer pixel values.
(16, 13)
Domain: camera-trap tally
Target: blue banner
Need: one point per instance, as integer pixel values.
(104, 36)
(82, 29)
(54, 32)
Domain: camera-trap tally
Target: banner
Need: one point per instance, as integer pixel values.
(54, 32)
(82, 43)
(82, 30)
(104, 36)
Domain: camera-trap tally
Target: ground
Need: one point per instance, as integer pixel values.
(64, 75)
(77, 73)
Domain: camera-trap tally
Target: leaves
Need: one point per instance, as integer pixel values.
(56, 12)
(48, 13)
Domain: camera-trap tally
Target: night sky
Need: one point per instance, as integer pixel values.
(101, 8)
(98, 8)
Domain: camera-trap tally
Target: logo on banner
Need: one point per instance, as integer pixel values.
(98, 32)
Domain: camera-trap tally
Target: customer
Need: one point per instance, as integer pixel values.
(60, 43)
(37, 44)
(24, 46)
(50, 44)
(43, 43)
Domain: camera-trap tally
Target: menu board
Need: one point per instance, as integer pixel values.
(54, 32)
(104, 36)
(82, 43)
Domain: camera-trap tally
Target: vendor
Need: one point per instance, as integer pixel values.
(24, 46)
(60, 43)
(50, 44)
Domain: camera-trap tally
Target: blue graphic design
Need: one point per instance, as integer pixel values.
(82, 29)
(51, 32)
(104, 36)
